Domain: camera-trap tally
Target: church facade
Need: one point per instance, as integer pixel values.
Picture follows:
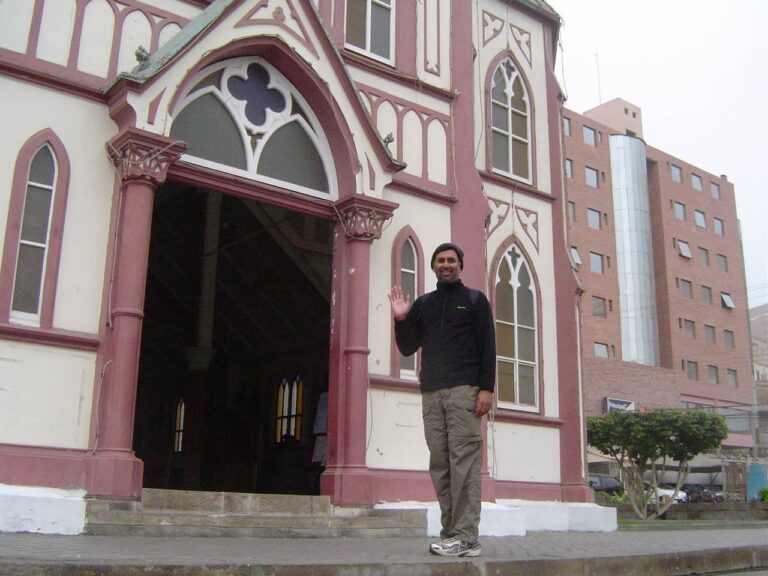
(203, 206)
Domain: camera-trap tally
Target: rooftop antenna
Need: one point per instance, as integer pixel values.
(599, 89)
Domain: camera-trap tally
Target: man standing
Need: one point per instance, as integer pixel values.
(454, 328)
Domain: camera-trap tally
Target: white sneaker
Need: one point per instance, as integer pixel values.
(455, 547)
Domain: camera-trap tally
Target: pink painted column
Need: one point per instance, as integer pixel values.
(142, 161)
(346, 478)
(573, 454)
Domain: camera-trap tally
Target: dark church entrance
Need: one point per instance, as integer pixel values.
(233, 374)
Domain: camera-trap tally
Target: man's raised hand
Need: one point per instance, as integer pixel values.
(400, 304)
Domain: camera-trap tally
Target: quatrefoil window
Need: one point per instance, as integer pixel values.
(242, 116)
(255, 91)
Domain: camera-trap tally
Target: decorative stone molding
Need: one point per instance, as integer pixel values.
(529, 220)
(141, 155)
(498, 213)
(364, 217)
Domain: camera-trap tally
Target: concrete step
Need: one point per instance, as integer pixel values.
(188, 513)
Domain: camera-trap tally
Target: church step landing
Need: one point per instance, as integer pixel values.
(188, 513)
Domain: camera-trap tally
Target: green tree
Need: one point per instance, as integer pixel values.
(649, 441)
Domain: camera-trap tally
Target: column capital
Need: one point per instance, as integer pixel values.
(363, 217)
(141, 155)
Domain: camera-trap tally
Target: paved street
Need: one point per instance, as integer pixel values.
(651, 552)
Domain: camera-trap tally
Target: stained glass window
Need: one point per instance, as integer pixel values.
(290, 394)
(178, 430)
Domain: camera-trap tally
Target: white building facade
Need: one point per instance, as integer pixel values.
(197, 245)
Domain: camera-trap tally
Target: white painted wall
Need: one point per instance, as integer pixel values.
(83, 127)
(46, 395)
(41, 510)
(523, 453)
(56, 31)
(395, 436)
(15, 20)
(431, 223)
(542, 260)
(535, 73)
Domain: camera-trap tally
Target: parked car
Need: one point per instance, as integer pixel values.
(605, 483)
(666, 492)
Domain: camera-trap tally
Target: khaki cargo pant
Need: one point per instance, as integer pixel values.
(455, 447)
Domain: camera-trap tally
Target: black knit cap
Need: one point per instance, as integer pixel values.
(448, 246)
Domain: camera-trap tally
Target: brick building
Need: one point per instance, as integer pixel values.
(664, 317)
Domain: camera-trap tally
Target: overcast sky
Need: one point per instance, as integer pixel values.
(697, 69)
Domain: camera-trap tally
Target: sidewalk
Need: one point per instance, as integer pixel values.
(646, 553)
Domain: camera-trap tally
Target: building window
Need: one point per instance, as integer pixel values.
(516, 332)
(408, 278)
(33, 233)
(596, 262)
(714, 190)
(700, 218)
(683, 249)
(712, 374)
(33, 238)
(510, 122)
(686, 289)
(718, 226)
(677, 173)
(709, 333)
(290, 394)
(598, 307)
(729, 339)
(571, 211)
(566, 126)
(568, 168)
(178, 429)
(369, 27)
(690, 329)
(704, 256)
(244, 118)
(739, 421)
(575, 255)
(589, 136)
(601, 350)
(696, 182)
(679, 210)
(593, 218)
(692, 368)
(722, 262)
(706, 294)
(727, 301)
(591, 177)
(732, 378)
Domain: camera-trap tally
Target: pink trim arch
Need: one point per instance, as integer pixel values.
(407, 233)
(531, 118)
(495, 262)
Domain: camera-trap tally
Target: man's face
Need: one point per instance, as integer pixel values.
(447, 267)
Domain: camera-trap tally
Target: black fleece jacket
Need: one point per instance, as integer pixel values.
(456, 336)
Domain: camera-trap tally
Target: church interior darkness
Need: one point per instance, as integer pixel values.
(233, 372)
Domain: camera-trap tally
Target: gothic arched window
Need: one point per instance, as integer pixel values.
(510, 123)
(32, 250)
(244, 117)
(517, 355)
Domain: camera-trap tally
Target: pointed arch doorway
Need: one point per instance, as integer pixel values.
(233, 368)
